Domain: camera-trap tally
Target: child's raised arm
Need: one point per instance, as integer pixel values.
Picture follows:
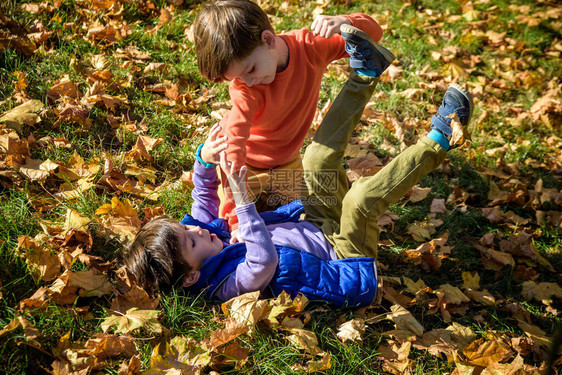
(260, 264)
(205, 205)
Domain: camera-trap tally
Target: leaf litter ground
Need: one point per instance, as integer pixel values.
(102, 108)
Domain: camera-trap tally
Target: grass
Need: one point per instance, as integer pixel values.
(413, 31)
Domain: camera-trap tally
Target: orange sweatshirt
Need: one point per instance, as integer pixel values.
(267, 124)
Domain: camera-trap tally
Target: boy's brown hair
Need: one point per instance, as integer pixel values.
(226, 31)
(154, 256)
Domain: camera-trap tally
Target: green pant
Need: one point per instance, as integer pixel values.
(348, 216)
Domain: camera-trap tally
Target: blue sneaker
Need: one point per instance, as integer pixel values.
(457, 99)
(366, 56)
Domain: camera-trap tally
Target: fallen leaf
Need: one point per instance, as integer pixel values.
(247, 308)
(232, 329)
(470, 280)
(542, 292)
(486, 353)
(405, 321)
(133, 320)
(395, 358)
(305, 340)
(23, 115)
(91, 283)
(183, 355)
(417, 194)
(352, 330)
(460, 132)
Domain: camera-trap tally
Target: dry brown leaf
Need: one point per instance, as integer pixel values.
(493, 259)
(64, 87)
(106, 34)
(420, 231)
(305, 340)
(230, 355)
(181, 355)
(494, 214)
(542, 292)
(446, 341)
(131, 366)
(364, 166)
(452, 294)
(142, 148)
(438, 206)
(450, 300)
(460, 133)
(23, 115)
(394, 296)
(405, 321)
(324, 363)
(522, 245)
(352, 330)
(247, 308)
(417, 193)
(44, 263)
(133, 320)
(119, 182)
(395, 358)
(484, 297)
(414, 287)
(516, 367)
(134, 297)
(470, 280)
(35, 171)
(119, 219)
(536, 334)
(232, 329)
(30, 332)
(486, 353)
(284, 306)
(91, 283)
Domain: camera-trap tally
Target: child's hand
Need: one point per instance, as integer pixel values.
(234, 238)
(213, 146)
(326, 26)
(236, 180)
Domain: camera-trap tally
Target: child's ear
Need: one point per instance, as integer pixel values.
(268, 37)
(191, 278)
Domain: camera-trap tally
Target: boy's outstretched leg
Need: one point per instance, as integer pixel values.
(370, 197)
(324, 175)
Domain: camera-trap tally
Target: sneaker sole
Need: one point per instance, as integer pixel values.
(466, 95)
(348, 29)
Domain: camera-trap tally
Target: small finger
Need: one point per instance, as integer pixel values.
(219, 142)
(323, 31)
(243, 172)
(314, 23)
(222, 160)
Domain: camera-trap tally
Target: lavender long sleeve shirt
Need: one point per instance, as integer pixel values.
(256, 271)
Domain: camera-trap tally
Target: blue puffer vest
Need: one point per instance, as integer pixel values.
(344, 282)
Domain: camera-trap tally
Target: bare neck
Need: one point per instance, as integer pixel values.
(282, 52)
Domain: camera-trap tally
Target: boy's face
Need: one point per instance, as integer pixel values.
(259, 68)
(197, 244)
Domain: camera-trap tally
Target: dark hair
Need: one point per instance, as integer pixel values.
(154, 256)
(226, 31)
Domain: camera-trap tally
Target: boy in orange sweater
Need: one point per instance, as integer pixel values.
(274, 88)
